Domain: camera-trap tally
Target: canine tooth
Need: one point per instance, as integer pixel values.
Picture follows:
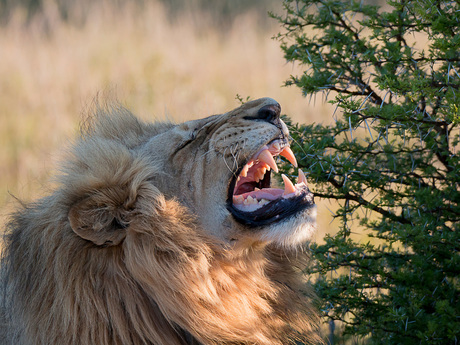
(256, 189)
(289, 155)
(256, 155)
(288, 186)
(301, 178)
(266, 157)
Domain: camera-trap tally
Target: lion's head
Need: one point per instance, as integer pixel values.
(221, 167)
(165, 234)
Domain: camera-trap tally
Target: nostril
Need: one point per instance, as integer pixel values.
(269, 113)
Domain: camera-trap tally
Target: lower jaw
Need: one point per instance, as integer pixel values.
(273, 212)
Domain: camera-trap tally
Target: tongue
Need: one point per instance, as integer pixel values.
(244, 188)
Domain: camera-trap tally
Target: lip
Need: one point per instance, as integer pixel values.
(271, 204)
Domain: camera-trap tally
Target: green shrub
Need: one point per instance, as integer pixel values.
(390, 159)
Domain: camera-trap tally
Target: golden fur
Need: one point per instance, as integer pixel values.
(126, 250)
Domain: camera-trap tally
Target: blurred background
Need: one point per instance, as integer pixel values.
(172, 59)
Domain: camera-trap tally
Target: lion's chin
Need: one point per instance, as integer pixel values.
(293, 231)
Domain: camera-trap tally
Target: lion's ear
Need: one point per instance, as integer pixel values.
(99, 223)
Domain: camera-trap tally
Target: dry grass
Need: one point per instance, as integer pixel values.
(50, 72)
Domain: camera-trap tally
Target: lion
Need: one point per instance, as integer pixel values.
(165, 234)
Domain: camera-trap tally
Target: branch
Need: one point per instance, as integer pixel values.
(361, 201)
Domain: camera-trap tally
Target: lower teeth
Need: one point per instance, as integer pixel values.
(255, 204)
(240, 200)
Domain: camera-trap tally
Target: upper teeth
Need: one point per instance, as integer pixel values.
(287, 153)
(266, 156)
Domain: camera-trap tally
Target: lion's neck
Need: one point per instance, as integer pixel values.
(224, 296)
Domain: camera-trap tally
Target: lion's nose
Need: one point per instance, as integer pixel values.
(269, 113)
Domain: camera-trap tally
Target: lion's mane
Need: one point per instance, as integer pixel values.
(166, 283)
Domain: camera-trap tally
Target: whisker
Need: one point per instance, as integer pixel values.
(204, 154)
(235, 160)
(206, 143)
(225, 161)
(299, 145)
(238, 157)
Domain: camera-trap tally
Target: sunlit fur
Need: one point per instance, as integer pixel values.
(112, 257)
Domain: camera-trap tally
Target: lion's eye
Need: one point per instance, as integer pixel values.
(194, 133)
(188, 140)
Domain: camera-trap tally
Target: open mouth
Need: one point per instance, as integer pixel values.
(253, 200)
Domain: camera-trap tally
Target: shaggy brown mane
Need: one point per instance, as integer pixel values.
(144, 272)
